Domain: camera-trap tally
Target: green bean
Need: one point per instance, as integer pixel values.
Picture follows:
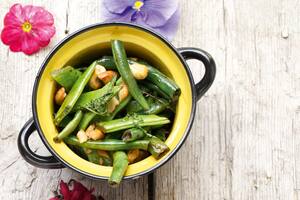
(133, 134)
(156, 104)
(115, 135)
(74, 94)
(65, 121)
(66, 76)
(132, 121)
(125, 72)
(157, 147)
(86, 119)
(107, 62)
(70, 127)
(108, 144)
(120, 164)
(153, 87)
(164, 83)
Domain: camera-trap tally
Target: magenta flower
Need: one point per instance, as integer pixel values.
(160, 15)
(79, 192)
(27, 28)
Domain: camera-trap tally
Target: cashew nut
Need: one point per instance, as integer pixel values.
(139, 71)
(82, 137)
(107, 76)
(133, 155)
(60, 96)
(123, 93)
(112, 104)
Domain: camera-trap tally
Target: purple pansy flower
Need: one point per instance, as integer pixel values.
(160, 15)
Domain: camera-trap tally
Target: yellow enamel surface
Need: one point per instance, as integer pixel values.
(94, 43)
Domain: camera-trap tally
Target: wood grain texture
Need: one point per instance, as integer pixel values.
(245, 142)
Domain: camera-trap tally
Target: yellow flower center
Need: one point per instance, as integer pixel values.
(137, 5)
(26, 27)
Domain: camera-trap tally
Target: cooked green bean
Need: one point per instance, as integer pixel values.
(156, 104)
(107, 62)
(125, 72)
(74, 94)
(66, 76)
(153, 87)
(164, 83)
(65, 121)
(70, 127)
(157, 147)
(86, 119)
(133, 134)
(108, 144)
(120, 164)
(132, 121)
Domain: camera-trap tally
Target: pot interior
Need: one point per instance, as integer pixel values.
(83, 47)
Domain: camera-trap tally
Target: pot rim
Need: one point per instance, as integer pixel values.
(99, 25)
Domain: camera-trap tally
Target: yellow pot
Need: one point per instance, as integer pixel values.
(90, 43)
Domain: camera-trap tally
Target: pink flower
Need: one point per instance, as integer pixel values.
(27, 28)
(79, 192)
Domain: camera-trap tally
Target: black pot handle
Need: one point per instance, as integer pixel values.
(48, 162)
(209, 64)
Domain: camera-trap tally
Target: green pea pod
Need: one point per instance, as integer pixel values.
(96, 101)
(66, 76)
(125, 72)
(74, 94)
(70, 127)
(108, 144)
(120, 164)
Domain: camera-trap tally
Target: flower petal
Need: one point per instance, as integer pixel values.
(54, 198)
(44, 33)
(15, 16)
(125, 17)
(42, 18)
(170, 28)
(16, 45)
(10, 34)
(29, 11)
(117, 6)
(159, 11)
(30, 45)
(64, 190)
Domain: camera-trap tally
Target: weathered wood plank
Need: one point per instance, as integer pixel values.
(245, 141)
(18, 179)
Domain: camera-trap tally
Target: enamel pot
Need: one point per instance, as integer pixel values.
(88, 44)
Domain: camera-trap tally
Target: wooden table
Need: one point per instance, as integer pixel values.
(245, 143)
